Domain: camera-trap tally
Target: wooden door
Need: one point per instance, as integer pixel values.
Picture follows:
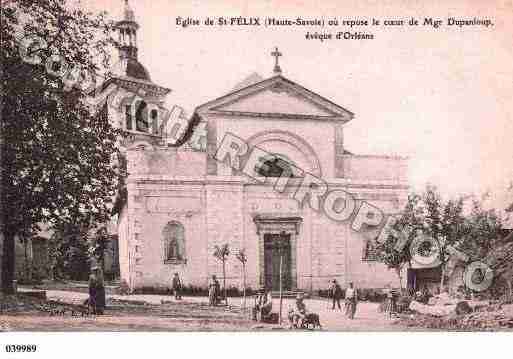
(272, 262)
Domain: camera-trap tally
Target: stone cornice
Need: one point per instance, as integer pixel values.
(281, 116)
(339, 113)
(247, 182)
(134, 85)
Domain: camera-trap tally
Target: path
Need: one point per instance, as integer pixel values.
(367, 316)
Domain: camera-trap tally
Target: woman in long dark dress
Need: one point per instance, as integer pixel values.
(93, 284)
(212, 291)
(100, 292)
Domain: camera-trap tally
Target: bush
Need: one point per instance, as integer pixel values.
(403, 303)
(190, 290)
(123, 288)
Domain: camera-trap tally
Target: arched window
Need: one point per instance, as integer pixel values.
(174, 242)
(154, 121)
(128, 116)
(141, 117)
(274, 165)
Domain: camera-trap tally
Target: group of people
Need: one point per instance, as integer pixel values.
(263, 305)
(299, 312)
(214, 289)
(390, 305)
(350, 296)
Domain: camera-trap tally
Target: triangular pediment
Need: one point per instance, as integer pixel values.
(276, 97)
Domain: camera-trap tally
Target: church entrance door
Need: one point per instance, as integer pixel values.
(272, 244)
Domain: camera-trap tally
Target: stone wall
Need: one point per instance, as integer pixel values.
(224, 224)
(216, 207)
(124, 242)
(375, 167)
(300, 137)
(158, 204)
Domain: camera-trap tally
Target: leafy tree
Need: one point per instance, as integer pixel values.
(447, 223)
(221, 253)
(56, 151)
(392, 251)
(69, 252)
(500, 260)
(482, 231)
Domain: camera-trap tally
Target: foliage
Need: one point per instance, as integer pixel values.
(56, 153)
(393, 256)
(69, 253)
(445, 223)
(482, 231)
(189, 291)
(473, 232)
(500, 260)
(241, 256)
(123, 288)
(222, 252)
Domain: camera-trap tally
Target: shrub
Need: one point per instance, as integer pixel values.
(187, 290)
(123, 288)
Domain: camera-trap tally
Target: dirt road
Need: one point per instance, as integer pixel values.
(147, 313)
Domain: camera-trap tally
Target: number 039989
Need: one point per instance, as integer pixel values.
(20, 348)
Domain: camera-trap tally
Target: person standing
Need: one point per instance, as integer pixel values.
(92, 285)
(213, 291)
(100, 291)
(176, 284)
(351, 296)
(218, 290)
(263, 306)
(336, 294)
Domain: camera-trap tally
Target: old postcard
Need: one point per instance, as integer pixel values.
(256, 166)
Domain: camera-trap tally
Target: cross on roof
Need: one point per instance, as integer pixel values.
(276, 53)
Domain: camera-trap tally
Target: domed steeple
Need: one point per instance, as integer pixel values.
(128, 64)
(127, 28)
(128, 13)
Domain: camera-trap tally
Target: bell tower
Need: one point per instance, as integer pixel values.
(127, 32)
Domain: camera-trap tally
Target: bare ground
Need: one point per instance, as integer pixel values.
(147, 313)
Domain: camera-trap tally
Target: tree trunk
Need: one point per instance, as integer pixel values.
(244, 284)
(29, 256)
(25, 264)
(8, 263)
(398, 272)
(224, 283)
(442, 277)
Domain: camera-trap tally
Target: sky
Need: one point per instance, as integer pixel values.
(441, 96)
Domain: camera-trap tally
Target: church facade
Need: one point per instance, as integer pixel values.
(180, 201)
